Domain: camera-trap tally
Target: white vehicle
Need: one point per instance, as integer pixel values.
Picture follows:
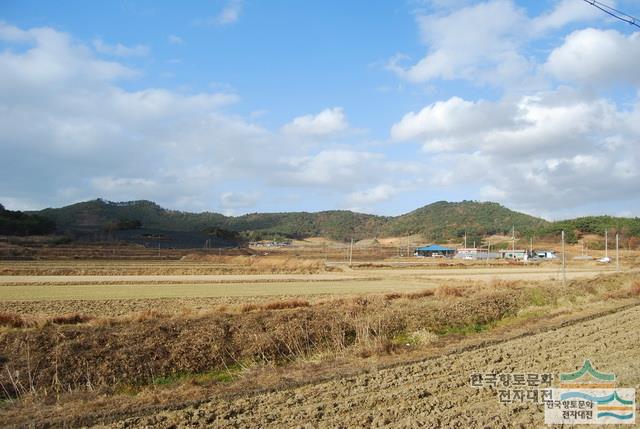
(605, 260)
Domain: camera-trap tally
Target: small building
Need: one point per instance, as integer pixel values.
(475, 253)
(514, 254)
(434, 251)
(470, 253)
(544, 254)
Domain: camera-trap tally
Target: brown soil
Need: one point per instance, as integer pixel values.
(432, 393)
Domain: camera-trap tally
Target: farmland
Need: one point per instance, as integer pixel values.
(431, 393)
(67, 286)
(130, 336)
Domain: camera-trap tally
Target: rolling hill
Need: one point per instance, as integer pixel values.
(19, 223)
(445, 220)
(438, 222)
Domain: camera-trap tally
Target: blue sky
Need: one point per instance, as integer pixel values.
(239, 106)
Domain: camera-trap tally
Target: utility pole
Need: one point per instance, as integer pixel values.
(351, 252)
(617, 252)
(513, 239)
(564, 268)
(488, 251)
(606, 243)
(465, 239)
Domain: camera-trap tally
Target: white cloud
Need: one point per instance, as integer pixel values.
(370, 196)
(535, 152)
(51, 59)
(438, 122)
(486, 43)
(541, 146)
(338, 168)
(326, 123)
(231, 200)
(565, 12)
(487, 54)
(110, 183)
(597, 57)
(68, 122)
(175, 40)
(230, 13)
(120, 50)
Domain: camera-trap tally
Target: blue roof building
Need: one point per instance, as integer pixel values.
(433, 250)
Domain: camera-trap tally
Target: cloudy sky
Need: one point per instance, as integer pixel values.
(239, 106)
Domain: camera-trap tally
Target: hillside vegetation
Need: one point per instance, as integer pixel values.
(438, 222)
(18, 223)
(444, 220)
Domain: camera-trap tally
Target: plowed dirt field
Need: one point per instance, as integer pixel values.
(431, 393)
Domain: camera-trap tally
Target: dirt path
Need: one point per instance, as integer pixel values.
(527, 273)
(432, 393)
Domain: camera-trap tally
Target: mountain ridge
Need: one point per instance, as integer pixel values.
(438, 221)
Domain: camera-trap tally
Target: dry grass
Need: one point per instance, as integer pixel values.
(12, 320)
(245, 308)
(261, 264)
(275, 305)
(450, 291)
(136, 350)
(281, 305)
(190, 264)
(71, 319)
(17, 321)
(620, 293)
(409, 295)
(139, 348)
(419, 294)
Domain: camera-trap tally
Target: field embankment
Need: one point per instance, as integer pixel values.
(189, 265)
(430, 393)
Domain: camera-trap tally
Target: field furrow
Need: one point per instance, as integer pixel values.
(432, 393)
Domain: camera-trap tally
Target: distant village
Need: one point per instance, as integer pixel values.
(476, 253)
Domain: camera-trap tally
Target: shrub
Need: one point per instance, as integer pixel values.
(70, 319)
(391, 296)
(12, 320)
(447, 290)
(280, 305)
(420, 294)
(248, 307)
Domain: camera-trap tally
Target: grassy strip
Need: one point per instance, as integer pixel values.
(225, 375)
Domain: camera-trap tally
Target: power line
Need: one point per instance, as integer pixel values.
(614, 12)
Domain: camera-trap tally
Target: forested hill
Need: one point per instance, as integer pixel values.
(97, 214)
(19, 223)
(441, 220)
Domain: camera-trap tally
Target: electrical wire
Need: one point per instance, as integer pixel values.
(614, 12)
